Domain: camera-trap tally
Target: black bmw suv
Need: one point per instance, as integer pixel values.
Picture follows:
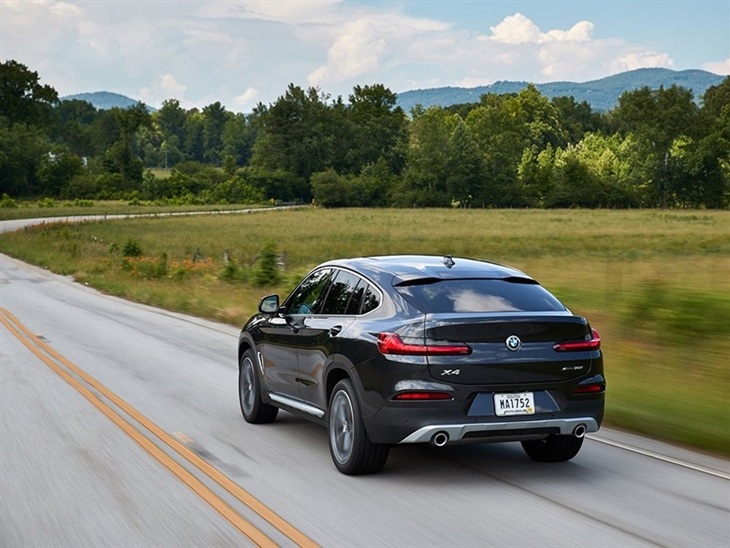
(423, 349)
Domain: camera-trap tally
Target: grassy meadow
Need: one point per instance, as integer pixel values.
(656, 284)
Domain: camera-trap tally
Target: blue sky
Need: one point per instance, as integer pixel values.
(244, 52)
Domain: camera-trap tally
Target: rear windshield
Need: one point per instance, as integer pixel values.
(479, 296)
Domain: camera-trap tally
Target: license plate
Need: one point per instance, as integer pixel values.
(514, 404)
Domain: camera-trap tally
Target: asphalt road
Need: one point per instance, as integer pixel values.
(120, 426)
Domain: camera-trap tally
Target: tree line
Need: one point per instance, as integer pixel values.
(656, 148)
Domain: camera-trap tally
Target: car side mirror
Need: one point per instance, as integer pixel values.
(269, 304)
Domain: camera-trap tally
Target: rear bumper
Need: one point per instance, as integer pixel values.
(502, 431)
(400, 423)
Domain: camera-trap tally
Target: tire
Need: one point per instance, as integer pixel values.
(253, 408)
(556, 448)
(352, 451)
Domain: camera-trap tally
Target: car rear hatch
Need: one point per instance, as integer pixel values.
(510, 349)
(499, 330)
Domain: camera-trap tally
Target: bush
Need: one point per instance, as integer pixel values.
(266, 270)
(7, 202)
(47, 202)
(231, 272)
(132, 248)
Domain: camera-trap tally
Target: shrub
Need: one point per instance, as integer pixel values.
(7, 202)
(132, 248)
(232, 273)
(47, 202)
(266, 270)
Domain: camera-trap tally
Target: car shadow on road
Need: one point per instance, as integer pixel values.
(504, 462)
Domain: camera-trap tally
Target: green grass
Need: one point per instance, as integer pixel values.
(656, 284)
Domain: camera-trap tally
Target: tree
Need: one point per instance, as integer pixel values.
(377, 127)
(56, 172)
(170, 120)
(22, 149)
(22, 98)
(74, 126)
(120, 157)
(498, 137)
(464, 168)
(214, 122)
(657, 118)
(238, 139)
(193, 144)
(577, 119)
(537, 119)
(296, 133)
(424, 179)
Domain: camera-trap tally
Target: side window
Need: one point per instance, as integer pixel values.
(353, 307)
(341, 293)
(370, 300)
(306, 298)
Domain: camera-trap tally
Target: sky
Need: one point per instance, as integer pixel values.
(242, 52)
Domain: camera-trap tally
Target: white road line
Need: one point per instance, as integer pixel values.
(663, 458)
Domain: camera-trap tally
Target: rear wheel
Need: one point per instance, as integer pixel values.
(352, 451)
(254, 409)
(557, 448)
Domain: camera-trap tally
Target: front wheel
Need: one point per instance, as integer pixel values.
(556, 448)
(253, 408)
(352, 451)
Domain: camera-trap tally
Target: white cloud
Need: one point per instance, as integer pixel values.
(355, 53)
(640, 59)
(248, 99)
(573, 54)
(580, 32)
(720, 67)
(171, 87)
(291, 12)
(515, 29)
(165, 87)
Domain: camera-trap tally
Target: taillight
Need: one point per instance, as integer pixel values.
(391, 343)
(596, 388)
(423, 396)
(594, 343)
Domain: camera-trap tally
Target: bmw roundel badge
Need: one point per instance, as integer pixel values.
(513, 343)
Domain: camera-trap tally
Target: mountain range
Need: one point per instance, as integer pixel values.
(601, 94)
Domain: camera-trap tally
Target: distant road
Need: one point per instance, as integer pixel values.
(15, 224)
(120, 426)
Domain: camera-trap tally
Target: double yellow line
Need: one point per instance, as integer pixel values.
(81, 381)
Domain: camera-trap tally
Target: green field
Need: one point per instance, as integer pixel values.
(656, 284)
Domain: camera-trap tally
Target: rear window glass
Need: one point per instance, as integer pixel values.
(370, 301)
(479, 296)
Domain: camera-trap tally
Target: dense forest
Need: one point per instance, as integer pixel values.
(657, 148)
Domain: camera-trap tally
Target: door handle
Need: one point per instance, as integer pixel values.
(335, 330)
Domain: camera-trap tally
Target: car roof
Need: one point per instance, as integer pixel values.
(398, 269)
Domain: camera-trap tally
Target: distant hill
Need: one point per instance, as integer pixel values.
(601, 94)
(104, 100)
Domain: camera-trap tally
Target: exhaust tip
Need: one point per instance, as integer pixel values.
(580, 431)
(440, 439)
